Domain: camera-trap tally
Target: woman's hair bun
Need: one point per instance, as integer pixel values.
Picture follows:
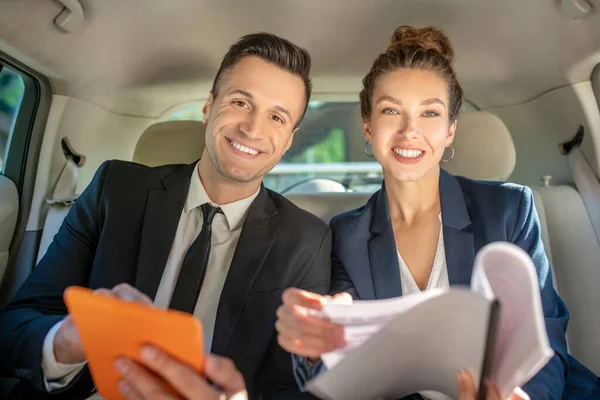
(428, 38)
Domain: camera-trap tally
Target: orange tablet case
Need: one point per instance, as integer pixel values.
(110, 328)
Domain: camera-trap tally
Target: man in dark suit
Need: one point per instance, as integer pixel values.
(206, 238)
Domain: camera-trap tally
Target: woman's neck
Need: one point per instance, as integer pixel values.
(407, 201)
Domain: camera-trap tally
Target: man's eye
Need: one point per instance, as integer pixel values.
(240, 103)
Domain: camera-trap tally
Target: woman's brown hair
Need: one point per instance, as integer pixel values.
(426, 49)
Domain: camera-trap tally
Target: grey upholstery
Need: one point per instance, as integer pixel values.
(575, 253)
(170, 142)
(484, 148)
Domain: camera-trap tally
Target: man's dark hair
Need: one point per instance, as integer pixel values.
(272, 49)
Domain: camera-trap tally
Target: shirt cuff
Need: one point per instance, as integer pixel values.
(56, 375)
(305, 370)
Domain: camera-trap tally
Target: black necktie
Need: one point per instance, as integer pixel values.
(193, 269)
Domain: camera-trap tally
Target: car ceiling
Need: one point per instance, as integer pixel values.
(141, 57)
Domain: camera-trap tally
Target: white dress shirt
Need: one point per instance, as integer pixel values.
(437, 279)
(226, 230)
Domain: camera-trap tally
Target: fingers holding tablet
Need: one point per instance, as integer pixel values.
(144, 381)
(67, 343)
(223, 373)
(126, 292)
(115, 325)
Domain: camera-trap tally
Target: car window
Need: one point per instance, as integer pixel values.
(11, 92)
(329, 145)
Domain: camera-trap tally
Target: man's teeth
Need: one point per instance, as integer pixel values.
(244, 149)
(408, 153)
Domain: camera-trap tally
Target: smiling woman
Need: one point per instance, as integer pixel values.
(420, 232)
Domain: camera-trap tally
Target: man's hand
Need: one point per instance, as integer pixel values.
(467, 391)
(67, 345)
(303, 333)
(143, 382)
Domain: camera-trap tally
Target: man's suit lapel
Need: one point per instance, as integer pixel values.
(258, 235)
(161, 218)
(458, 238)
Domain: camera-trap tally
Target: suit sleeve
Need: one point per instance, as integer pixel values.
(278, 377)
(38, 305)
(340, 280)
(304, 369)
(549, 383)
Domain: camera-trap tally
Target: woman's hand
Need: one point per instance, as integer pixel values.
(301, 330)
(467, 391)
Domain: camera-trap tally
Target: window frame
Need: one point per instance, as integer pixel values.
(595, 78)
(22, 124)
(25, 143)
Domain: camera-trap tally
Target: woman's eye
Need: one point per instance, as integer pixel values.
(390, 111)
(431, 113)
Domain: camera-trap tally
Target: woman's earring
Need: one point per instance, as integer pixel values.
(370, 155)
(451, 156)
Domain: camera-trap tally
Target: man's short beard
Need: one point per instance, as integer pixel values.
(221, 171)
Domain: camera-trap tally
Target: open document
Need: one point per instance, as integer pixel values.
(414, 343)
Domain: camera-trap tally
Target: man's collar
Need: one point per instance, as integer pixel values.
(235, 212)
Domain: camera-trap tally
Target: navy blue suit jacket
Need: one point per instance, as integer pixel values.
(365, 261)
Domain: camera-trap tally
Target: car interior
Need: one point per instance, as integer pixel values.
(84, 81)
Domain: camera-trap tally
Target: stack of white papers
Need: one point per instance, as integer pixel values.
(419, 342)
